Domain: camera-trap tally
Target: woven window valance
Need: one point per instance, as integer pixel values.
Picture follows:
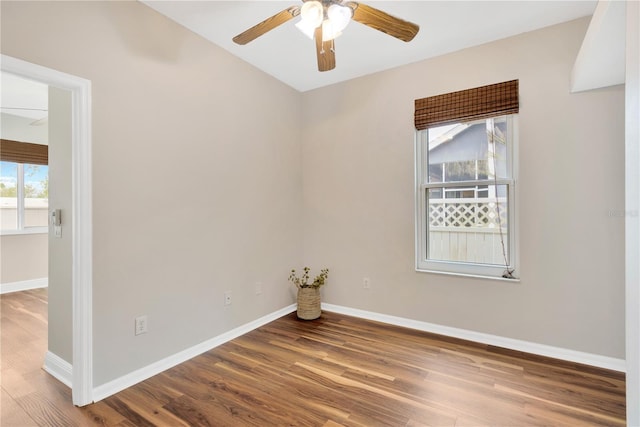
(466, 105)
(24, 152)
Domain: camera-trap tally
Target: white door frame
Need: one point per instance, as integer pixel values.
(632, 206)
(82, 383)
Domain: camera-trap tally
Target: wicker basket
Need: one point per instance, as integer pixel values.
(309, 303)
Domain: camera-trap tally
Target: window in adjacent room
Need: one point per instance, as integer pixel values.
(465, 185)
(24, 188)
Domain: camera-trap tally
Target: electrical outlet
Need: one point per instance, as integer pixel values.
(258, 288)
(366, 283)
(141, 325)
(227, 298)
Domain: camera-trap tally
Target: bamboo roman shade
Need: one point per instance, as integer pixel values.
(465, 105)
(24, 152)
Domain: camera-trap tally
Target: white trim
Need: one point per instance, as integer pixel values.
(59, 368)
(472, 276)
(509, 343)
(81, 215)
(24, 285)
(20, 196)
(82, 226)
(112, 387)
(28, 230)
(115, 386)
(632, 207)
(461, 268)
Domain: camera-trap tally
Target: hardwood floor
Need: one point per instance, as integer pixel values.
(334, 371)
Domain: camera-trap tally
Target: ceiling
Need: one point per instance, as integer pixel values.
(23, 97)
(288, 55)
(23, 109)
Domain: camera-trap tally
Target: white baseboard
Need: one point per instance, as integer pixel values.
(112, 387)
(58, 368)
(24, 285)
(62, 370)
(509, 343)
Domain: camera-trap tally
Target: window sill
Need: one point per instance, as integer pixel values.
(30, 230)
(472, 276)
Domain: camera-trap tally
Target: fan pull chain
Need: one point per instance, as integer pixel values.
(332, 48)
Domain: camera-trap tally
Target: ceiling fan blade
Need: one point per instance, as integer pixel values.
(382, 21)
(325, 52)
(267, 25)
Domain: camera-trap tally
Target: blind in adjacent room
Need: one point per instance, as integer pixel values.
(466, 105)
(24, 152)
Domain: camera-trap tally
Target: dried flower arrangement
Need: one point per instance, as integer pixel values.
(303, 281)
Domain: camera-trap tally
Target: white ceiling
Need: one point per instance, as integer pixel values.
(23, 97)
(288, 55)
(23, 109)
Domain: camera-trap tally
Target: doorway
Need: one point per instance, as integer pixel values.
(80, 372)
(24, 259)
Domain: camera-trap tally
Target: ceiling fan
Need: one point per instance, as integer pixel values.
(324, 21)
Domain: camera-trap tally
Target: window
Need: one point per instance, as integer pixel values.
(24, 188)
(465, 192)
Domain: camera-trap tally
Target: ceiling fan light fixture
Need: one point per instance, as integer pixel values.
(311, 16)
(340, 16)
(329, 31)
(325, 20)
(312, 12)
(305, 28)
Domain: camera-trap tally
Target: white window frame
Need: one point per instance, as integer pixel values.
(423, 264)
(20, 209)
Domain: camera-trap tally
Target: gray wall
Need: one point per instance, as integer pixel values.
(359, 197)
(23, 257)
(196, 175)
(186, 134)
(60, 256)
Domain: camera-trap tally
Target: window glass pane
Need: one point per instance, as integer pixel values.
(468, 229)
(435, 172)
(468, 151)
(36, 195)
(497, 163)
(8, 196)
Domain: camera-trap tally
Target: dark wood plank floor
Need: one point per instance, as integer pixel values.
(335, 371)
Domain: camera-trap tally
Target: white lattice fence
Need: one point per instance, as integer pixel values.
(467, 229)
(467, 213)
